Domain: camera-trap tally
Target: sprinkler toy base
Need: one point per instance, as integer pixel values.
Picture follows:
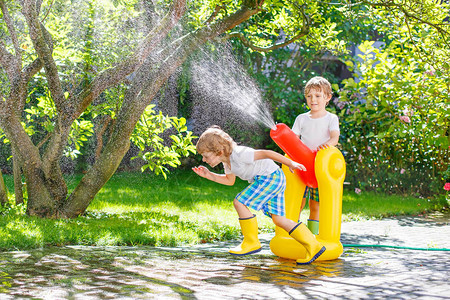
(329, 170)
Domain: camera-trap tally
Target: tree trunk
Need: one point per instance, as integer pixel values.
(17, 173)
(148, 81)
(47, 191)
(3, 190)
(100, 130)
(40, 201)
(135, 102)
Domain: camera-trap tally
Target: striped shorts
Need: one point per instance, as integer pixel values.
(311, 194)
(266, 193)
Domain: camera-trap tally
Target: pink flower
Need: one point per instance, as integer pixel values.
(341, 104)
(358, 191)
(407, 112)
(447, 186)
(405, 119)
(402, 171)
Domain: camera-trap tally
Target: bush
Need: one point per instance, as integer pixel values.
(395, 121)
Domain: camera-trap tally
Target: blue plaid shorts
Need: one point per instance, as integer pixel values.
(311, 194)
(266, 193)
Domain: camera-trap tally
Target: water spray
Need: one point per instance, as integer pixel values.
(226, 82)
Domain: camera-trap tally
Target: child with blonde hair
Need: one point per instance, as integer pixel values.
(265, 192)
(317, 129)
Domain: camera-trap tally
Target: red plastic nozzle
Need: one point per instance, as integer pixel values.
(289, 142)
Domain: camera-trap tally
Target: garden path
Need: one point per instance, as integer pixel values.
(208, 272)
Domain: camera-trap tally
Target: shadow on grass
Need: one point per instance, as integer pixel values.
(153, 228)
(183, 189)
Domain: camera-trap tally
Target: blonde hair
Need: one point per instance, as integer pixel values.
(215, 140)
(318, 83)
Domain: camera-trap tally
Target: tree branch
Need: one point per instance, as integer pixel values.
(45, 54)
(134, 105)
(44, 140)
(2, 105)
(11, 29)
(48, 11)
(217, 9)
(17, 90)
(42, 45)
(106, 79)
(438, 26)
(116, 74)
(7, 61)
(248, 44)
(104, 122)
(304, 31)
(30, 70)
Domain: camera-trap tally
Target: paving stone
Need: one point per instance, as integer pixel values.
(208, 272)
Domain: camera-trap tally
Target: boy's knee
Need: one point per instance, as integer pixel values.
(236, 203)
(277, 220)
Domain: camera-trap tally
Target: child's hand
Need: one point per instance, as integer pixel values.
(201, 171)
(295, 165)
(323, 146)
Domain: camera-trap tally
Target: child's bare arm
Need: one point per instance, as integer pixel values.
(226, 179)
(263, 154)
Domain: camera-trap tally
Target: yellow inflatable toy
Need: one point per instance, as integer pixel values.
(329, 169)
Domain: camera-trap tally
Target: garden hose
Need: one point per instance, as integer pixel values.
(395, 247)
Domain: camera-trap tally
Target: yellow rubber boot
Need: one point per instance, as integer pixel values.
(314, 249)
(250, 244)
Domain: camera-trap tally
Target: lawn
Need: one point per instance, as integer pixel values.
(144, 209)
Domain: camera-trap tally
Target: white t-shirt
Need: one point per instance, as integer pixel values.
(315, 132)
(244, 165)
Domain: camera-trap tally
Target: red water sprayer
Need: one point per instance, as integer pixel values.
(289, 142)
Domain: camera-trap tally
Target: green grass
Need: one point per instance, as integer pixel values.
(144, 209)
(373, 205)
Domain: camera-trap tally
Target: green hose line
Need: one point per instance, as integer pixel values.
(395, 247)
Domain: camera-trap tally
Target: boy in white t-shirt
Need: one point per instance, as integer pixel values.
(266, 189)
(317, 129)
